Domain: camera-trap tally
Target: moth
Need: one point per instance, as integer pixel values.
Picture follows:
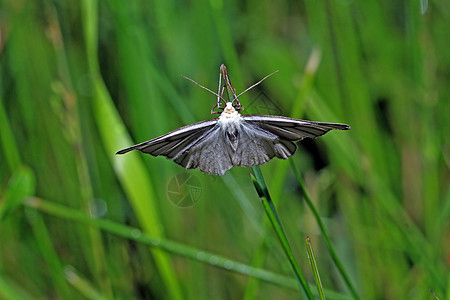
(215, 146)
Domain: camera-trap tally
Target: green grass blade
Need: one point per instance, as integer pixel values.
(281, 170)
(324, 232)
(48, 252)
(313, 263)
(130, 170)
(271, 212)
(66, 106)
(82, 284)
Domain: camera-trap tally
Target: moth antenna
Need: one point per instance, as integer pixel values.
(218, 92)
(205, 88)
(249, 88)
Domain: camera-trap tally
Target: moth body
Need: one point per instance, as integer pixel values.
(230, 122)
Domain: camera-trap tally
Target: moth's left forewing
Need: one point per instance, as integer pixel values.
(197, 146)
(293, 129)
(175, 142)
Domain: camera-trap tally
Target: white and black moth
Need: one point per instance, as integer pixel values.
(215, 146)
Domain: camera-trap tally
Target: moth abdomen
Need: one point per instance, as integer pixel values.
(232, 136)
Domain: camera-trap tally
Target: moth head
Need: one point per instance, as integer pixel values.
(229, 108)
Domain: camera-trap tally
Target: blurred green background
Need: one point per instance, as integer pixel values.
(80, 80)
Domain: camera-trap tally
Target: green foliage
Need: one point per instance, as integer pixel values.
(79, 80)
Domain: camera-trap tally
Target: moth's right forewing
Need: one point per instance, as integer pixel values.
(293, 129)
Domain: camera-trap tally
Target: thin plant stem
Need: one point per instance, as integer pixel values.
(324, 232)
(312, 260)
(261, 188)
